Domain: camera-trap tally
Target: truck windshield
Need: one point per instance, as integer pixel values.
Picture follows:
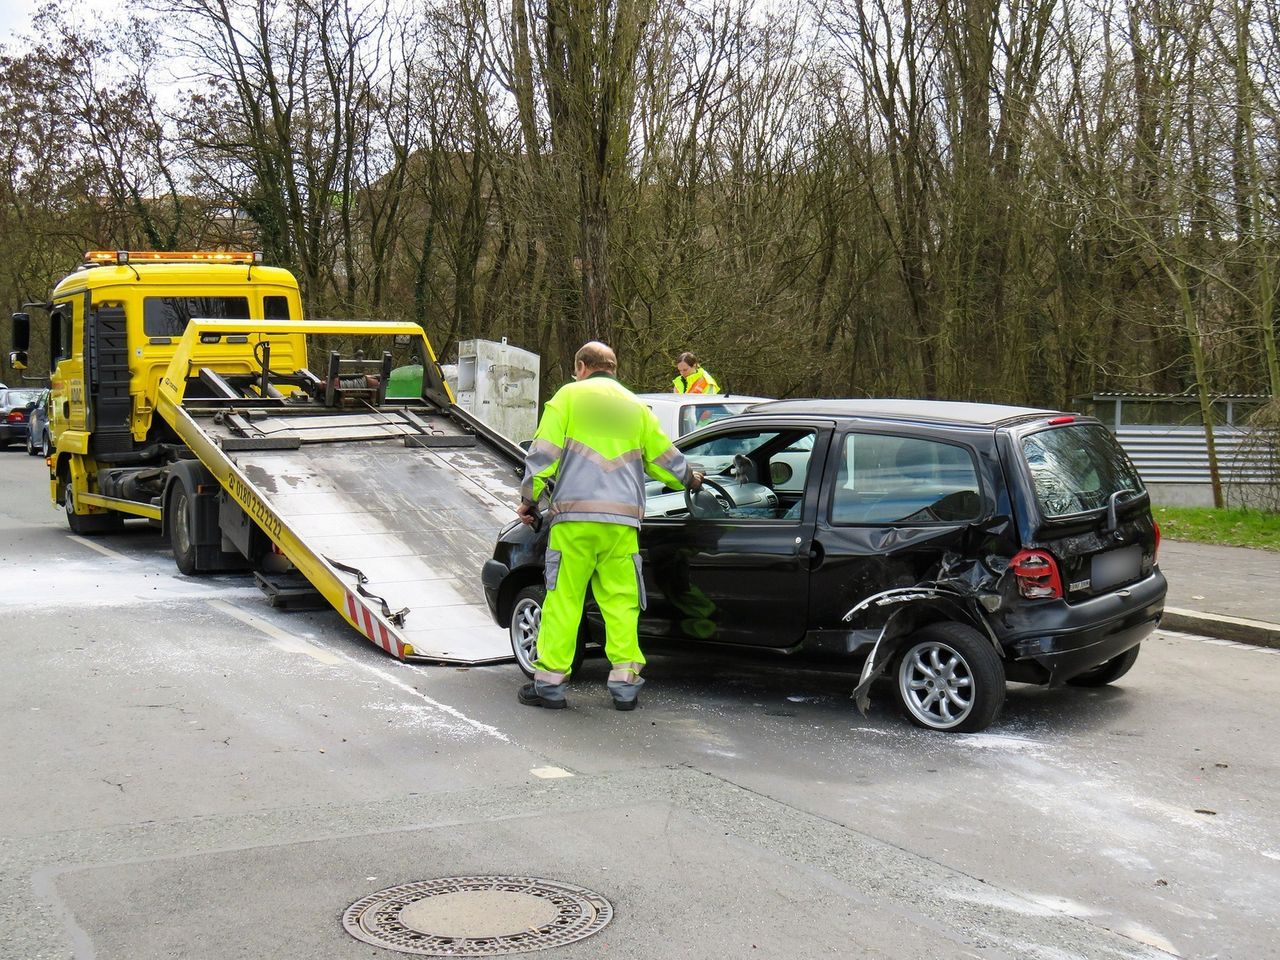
(168, 316)
(1077, 468)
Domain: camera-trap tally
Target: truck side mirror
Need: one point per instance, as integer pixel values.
(21, 332)
(21, 341)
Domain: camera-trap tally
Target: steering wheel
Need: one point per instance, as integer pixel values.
(721, 497)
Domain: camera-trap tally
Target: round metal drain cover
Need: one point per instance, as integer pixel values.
(477, 916)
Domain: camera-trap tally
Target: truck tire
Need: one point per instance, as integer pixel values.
(950, 678)
(526, 619)
(178, 510)
(86, 525)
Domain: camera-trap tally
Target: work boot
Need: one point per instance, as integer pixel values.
(624, 685)
(529, 696)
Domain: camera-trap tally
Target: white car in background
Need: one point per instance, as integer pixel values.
(681, 413)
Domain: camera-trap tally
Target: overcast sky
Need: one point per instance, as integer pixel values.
(15, 15)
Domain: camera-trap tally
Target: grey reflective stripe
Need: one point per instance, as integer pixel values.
(673, 460)
(542, 454)
(582, 479)
(608, 464)
(546, 676)
(609, 507)
(624, 674)
(613, 518)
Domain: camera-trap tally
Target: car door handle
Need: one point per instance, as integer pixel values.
(817, 554)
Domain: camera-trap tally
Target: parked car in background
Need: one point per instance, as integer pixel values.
(952, 547)
(681, 413)
(13, 414)
(39, 440)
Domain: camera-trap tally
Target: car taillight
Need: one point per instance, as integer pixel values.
(1037, 575)
(16, 416)
(1155, 551)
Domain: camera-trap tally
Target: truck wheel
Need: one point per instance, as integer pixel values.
(83, 525)
(526, 621)
(1107, 672)
(950, 678)
(180, 538)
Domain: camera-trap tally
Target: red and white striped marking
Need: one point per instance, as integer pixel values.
(372, 626)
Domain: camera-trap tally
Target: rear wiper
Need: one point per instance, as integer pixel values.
(1113, 522)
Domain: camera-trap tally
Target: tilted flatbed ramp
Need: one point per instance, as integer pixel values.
(389, 511)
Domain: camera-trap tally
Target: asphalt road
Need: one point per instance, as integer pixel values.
(186, 772)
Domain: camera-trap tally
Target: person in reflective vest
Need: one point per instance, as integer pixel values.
(692, 378)
(599, 443)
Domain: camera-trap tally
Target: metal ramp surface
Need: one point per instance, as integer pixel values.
(399, 507)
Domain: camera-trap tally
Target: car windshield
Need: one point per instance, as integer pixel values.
(19, 398)
(1077, 468)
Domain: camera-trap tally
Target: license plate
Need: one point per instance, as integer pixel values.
(1116, 566)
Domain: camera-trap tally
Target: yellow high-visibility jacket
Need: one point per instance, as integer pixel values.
(697, 382)
(599, 442)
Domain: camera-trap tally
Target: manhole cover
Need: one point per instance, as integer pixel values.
(477, 916)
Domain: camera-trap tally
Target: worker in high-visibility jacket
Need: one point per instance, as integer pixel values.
(692, 378)
(598, 442)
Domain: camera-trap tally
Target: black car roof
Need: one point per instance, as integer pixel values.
(929, 411)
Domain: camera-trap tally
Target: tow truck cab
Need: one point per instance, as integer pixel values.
(113, 327)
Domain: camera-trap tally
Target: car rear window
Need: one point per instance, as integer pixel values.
(20, 398)
(1077, 468)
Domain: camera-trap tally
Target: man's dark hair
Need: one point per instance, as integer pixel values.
(688, 358)
(597, 356)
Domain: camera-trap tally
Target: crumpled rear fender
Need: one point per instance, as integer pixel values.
(912, 608)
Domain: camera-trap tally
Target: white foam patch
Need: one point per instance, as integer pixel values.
(1136, 931)
(102, 582)
(1001, 742)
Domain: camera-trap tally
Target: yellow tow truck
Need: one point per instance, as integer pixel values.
(181, 394)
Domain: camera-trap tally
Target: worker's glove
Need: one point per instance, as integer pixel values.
(696, 483)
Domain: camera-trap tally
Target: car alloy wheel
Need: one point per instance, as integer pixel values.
(950, 678)
(936, 684)
(526, 619)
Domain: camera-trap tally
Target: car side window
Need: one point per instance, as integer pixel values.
(753, 475)
(891, 479)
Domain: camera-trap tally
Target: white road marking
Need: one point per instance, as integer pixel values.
(377, 671)
(279, 638)
(550, 773)
(105, 551)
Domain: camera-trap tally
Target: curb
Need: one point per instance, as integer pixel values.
(1255, 632)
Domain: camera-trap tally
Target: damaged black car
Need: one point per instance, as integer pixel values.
(952, 547)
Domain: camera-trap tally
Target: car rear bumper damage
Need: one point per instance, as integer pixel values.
(1068, 639)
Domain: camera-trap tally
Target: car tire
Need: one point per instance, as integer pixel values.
(178, 510)
(83, 525)
(526, 619)
(46, 446)
(31, 447)
(950, 678)
(1108, 672)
